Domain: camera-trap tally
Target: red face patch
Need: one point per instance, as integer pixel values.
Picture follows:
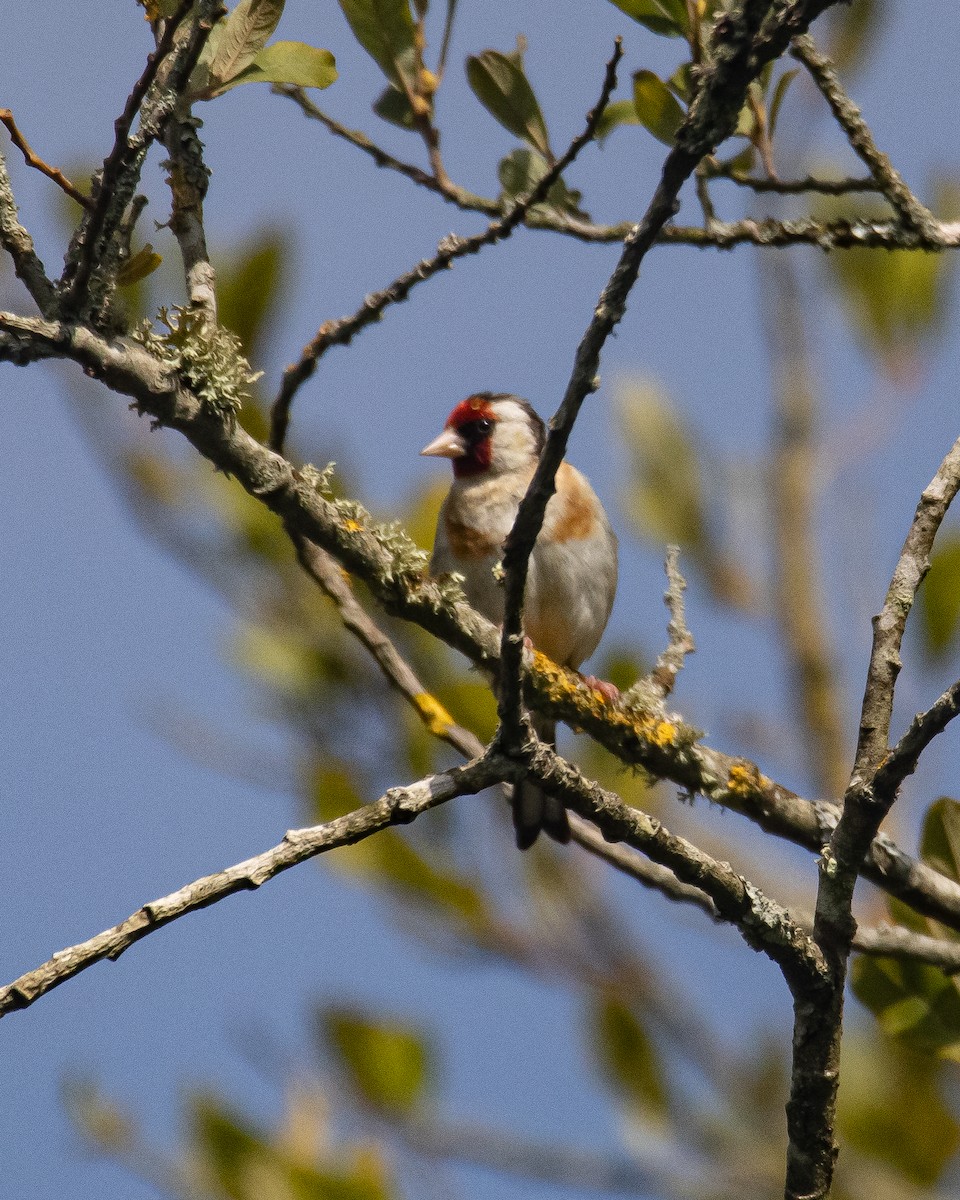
(473, 419)
(474, 408)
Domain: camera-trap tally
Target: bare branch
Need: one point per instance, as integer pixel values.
(329, 576)
(19, 245)
(157, 93)
(888, 179)
(895, 941)
(794, 187)
(903, 758)
(35, 161)
(188, 181)
(343, 331)
(396, 807)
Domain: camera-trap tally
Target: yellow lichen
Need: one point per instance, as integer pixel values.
(744, 778)
(434, 715)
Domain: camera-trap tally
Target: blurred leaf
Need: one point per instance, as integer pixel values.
(911, 1001)
(394, 106)
(681, 83)
(896, 300)
(665, 494)
(938, 601)
(779, 94)
(522, 170)
(940, 840)
(657, 107)
(226, 1144)
(666, 17)
(97, 1119)
(853, 32)
(250, 281)
(892, 1108)
(389, 1065)
(619, 112)
(138, 266)
(628, 1058)
(385, 29)
(294, 63)
(499, 83)
(246, 1164)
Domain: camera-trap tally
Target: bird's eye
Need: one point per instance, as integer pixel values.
(484, 425)
(476, 431)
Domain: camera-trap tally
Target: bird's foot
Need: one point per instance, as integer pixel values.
(609, 691)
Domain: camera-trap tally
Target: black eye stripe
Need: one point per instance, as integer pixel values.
(475, 431)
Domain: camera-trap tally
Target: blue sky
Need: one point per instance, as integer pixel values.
(98, 813)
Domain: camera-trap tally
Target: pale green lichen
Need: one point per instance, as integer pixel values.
(208, 358)
(407, 562)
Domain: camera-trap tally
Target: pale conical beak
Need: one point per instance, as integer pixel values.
(448, 445)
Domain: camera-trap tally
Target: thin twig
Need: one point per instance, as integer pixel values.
(327, 573)
(34, 160)
(812, 1106)
(462, 198)
(794, 187)
(18, 243)
(711, 118)
(888, 625)
(903, 758)
(188, 181)
(895, 941)
(888, 179)
(115, 183)
(396, 807)
(341, 332)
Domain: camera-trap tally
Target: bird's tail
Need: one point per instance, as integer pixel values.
(533, 808)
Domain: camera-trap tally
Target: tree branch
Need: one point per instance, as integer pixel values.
(19, 245)
(35, 161)
(343, 331)
(888, 180)
(87, 278)
(398, 806)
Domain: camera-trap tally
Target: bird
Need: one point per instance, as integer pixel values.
(494, 441)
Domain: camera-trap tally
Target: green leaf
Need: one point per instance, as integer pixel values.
(854, 31)
(940, 840)
(779, 93)
(666, 17)
(893, 1108)
(249, 284)
(394, 106)
(911, 1001)
(241, 36)
(628, 1058)
(617, 113)
(499, 83)
(657, 107)
(385, 29)
(294, 63)
(387, 1063)
(522, 170)
(938, 601)
(896, 300)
